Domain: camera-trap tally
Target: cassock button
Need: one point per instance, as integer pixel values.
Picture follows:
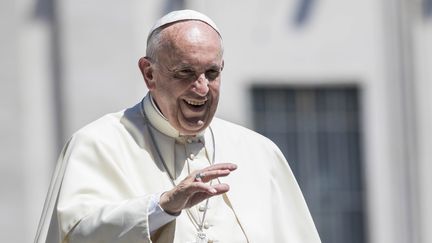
(191, 156)
(202, 208)
(206, 225)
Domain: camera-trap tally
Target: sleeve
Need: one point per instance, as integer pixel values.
(126, 221)
(97, 202)
(157, 217)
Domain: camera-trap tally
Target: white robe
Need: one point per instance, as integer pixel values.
(108, 170)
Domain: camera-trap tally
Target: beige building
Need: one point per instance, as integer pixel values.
(343, 87)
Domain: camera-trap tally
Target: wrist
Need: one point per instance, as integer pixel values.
(164, 205)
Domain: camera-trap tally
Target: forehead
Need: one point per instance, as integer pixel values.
(181, 28)
(190, 42)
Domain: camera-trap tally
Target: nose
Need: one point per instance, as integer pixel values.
(201, 85)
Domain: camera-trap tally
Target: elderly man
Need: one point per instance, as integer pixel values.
(166, 170)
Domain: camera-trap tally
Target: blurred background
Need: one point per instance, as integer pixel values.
(343, 87)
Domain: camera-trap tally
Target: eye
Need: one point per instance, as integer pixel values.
(212, 74)
(184, 74)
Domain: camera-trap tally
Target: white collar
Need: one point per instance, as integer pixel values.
(160, 122)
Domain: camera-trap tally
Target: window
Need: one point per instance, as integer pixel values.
(318, 130)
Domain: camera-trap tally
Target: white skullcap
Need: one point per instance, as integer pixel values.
(180, 15)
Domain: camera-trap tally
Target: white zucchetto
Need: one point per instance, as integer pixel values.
(181, 15)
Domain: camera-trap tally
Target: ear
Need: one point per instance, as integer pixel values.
(147, 71)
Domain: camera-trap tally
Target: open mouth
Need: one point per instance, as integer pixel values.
(195, 104)
(194, 111)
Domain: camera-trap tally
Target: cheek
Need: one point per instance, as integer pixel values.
(170, 92)
(173, 98)
(215, 84)
(214, 88)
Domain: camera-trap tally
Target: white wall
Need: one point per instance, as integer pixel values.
(100, 55)
(27, 149)
(423, 53)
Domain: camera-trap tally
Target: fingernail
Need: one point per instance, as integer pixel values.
(213, 191)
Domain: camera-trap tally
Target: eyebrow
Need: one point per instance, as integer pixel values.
(183, 66)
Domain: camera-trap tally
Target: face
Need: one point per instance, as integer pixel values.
(185, 79)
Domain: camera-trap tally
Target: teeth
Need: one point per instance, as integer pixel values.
(191, 102)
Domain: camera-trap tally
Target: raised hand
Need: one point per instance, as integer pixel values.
(193, 189)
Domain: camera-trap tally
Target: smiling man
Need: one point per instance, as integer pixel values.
(182, 72)
(167, 170)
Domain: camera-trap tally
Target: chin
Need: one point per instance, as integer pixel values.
(192, 131)
(187, 128)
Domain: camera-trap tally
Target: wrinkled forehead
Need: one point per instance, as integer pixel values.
(189, 41)
(182, 15)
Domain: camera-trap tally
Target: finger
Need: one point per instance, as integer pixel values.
(221, 166)
(197, 187)
(201, 196)
(223, 171)
(210, 175)
(221, 188)
(211, 190)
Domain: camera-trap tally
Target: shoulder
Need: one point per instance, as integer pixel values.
(240, 134)
(242, 145)
(106, 125)
(116, 129)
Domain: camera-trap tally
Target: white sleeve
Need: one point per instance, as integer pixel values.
(122, 222)
(157, 217)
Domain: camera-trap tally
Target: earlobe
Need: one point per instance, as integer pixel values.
(147, 72)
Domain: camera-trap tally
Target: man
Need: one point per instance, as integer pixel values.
(166, 170)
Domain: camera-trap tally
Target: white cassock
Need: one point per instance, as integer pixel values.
(110, 170)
